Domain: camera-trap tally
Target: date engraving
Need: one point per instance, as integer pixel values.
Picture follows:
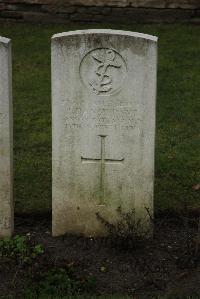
(124, 118)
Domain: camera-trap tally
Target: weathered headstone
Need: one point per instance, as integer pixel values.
(6, 167)
(104, 94)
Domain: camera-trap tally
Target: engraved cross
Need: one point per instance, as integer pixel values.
(102, 161)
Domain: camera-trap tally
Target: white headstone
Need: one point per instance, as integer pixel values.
(104, 94)
(6, 142)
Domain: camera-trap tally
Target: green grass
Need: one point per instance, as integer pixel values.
(177, 164)
(88, 297)
(138, 297)
(94, 297)
(121, 297)
(117, 297)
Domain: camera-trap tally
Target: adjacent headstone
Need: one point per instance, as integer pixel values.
(104, 94)
(6, 167)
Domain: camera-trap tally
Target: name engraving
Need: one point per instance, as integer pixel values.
(108, 117)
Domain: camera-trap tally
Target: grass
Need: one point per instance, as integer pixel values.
(177, 144)
(108, 297)
(122, 297)
(118, 297)
(90, 297)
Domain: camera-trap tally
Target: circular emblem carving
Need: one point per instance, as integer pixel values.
(103, 71)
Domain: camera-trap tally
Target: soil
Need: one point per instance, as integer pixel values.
(167, 264)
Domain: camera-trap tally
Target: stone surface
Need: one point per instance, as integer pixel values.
(103, 97)
(6, 168)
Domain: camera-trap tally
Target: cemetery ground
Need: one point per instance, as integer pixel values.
(35, 265)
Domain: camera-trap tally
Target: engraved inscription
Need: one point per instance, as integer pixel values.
(103, 81)
(103, 71)
(3, 116)
(124, 118)
(5, 222)
(102, 161)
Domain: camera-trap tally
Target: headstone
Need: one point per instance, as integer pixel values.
(103, 94)
(6, 167)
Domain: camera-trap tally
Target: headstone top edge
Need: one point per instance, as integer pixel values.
(106, 31)
(4, 40)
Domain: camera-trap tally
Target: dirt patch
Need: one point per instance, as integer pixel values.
(168, 264)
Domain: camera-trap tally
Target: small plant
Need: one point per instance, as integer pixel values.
(190, 257)
(20, 248)
(128, 232)
(56, 282)
(59, 282)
